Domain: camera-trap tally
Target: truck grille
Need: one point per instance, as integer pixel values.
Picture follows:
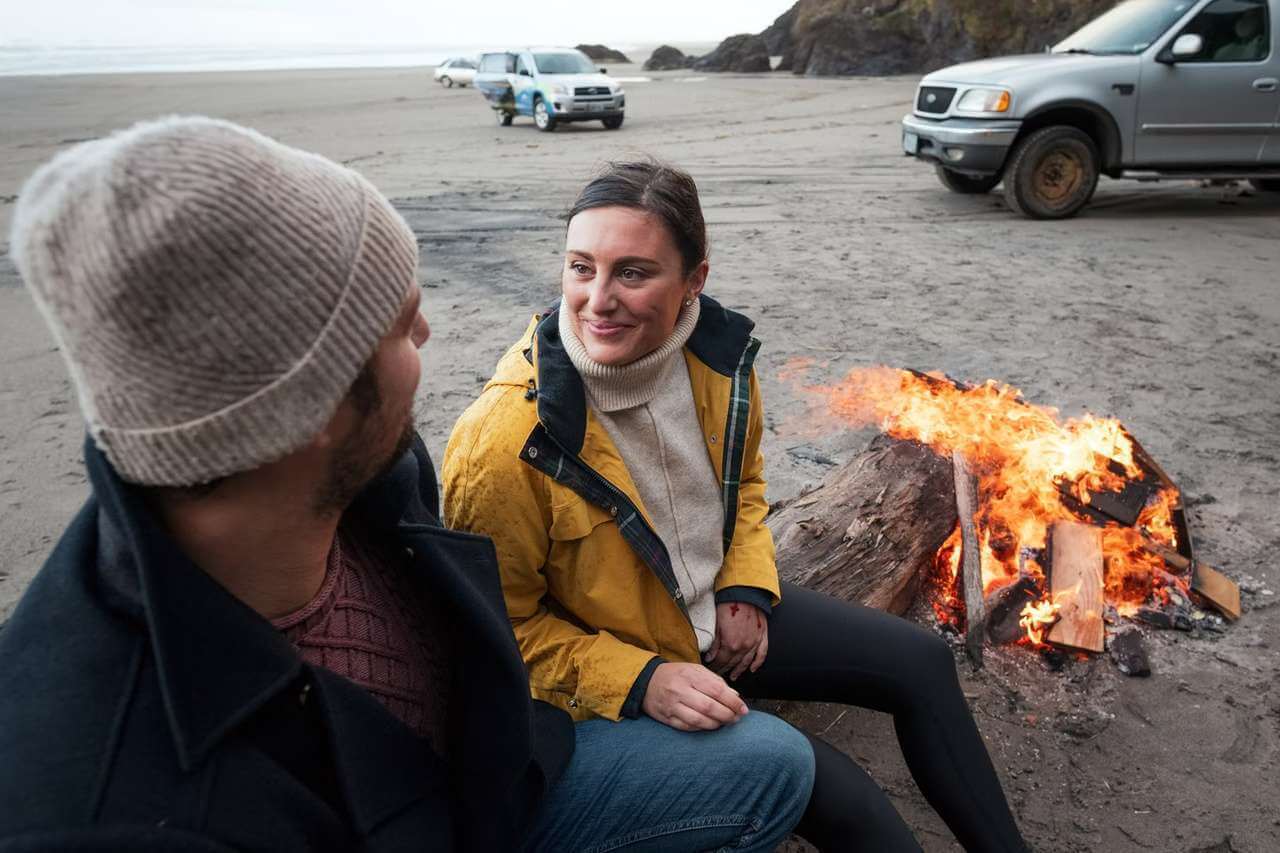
(934, 99)
(591, 90)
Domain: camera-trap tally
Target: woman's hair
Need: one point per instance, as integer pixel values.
(656, 188)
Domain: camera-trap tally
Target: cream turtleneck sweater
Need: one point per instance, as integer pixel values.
(647, 408)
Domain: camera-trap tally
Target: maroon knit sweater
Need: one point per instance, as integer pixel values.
(368, 624)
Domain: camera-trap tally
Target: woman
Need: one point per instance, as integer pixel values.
(614, 459)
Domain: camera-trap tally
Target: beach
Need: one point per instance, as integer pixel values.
(1157, 306)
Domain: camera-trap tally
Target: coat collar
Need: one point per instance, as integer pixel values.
(718, 341)
(217, 660)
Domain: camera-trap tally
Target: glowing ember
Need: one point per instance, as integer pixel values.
(1025, 457)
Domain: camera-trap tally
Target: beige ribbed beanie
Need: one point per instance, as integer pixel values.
(215, 293)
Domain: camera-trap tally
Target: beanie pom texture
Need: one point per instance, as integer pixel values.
(214, 292)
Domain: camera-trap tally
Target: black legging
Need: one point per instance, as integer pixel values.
(826, 650)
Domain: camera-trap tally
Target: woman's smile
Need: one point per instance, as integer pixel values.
(605, 328)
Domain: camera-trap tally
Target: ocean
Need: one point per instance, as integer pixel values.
(16, 60)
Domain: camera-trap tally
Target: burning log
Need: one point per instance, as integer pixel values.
(1004, 612)
(1212, 585)
(1076, 582)
(870, 531)
(966, 486)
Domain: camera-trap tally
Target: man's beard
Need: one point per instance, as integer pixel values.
(353, 466)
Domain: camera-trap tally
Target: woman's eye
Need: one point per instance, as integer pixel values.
(630, 274)
(580, 269)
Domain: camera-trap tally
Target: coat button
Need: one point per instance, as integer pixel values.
(303, 694)
(573, 702)
(613, 510)
(533, 453)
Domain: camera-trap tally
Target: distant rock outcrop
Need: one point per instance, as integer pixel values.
(668, 58)
(737, 53)
(602, 53)
(831, 37)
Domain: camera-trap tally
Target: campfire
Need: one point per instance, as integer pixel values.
(1062, 532)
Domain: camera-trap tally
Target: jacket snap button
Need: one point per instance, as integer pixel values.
(573, 703)
(303, 694)
(613, 510)
(408, 552)
(713, 438)
(533, 453)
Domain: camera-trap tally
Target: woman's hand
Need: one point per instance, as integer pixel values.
(742, 639)
(690, 697)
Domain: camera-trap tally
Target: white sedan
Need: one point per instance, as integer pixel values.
(457, 71)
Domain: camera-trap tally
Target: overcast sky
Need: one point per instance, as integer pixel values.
(400, 22)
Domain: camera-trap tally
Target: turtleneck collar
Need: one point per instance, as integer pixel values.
(612, 388)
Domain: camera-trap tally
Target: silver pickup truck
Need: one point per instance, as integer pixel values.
(1152, 90)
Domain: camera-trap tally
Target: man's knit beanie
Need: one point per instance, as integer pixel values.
(215, 293)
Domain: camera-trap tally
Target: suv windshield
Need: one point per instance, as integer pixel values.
(1130, 27)
(563, 63)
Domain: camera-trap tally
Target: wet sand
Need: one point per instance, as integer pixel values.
(1159, 306)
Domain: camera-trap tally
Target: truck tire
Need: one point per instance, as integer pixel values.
(505, 118)
(612, 123)
(1052, 173)
(542, 116)
(958, 182)
(1266, 185)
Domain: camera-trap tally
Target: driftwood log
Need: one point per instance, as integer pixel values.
(869, 533)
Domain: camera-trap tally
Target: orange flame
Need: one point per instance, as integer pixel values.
(1025, 457)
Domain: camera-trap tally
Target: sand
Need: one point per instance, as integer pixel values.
(1158, 306)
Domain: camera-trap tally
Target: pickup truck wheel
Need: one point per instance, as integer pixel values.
(542, 116)
(1266, 185)
(959, 182)
(505, 118)
(612, 123)
(1052, 173)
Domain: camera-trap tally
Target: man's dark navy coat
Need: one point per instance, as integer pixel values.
(143, 707)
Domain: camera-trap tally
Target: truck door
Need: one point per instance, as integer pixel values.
(523, 85)
(1218, 106)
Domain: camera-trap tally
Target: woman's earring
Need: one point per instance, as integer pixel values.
(688, 302)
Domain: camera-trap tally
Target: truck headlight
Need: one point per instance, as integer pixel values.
(984, 101)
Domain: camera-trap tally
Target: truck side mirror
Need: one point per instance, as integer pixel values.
(525, 72)
(1184, 47)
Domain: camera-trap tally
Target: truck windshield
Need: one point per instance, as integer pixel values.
(1129, 28)
(563, 63)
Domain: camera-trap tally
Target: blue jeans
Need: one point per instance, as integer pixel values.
(640, 785)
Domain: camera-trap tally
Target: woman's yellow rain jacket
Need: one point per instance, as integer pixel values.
(589, 587)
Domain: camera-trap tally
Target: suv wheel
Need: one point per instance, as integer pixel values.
(1266, 185)
(542, 116)
(505, 118)
(958, 182)
(446, 81)
(612, 123)
(1052, 173)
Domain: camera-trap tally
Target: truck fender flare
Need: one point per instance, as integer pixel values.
(1104, 125)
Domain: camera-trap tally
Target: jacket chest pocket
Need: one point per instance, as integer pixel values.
(588, 558)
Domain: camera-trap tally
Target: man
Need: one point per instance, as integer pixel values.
(255, 634)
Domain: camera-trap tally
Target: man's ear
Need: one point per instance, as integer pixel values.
(339, 425)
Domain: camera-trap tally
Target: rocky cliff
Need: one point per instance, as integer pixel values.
(742, 53)
(822, 37)
(603, 53)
